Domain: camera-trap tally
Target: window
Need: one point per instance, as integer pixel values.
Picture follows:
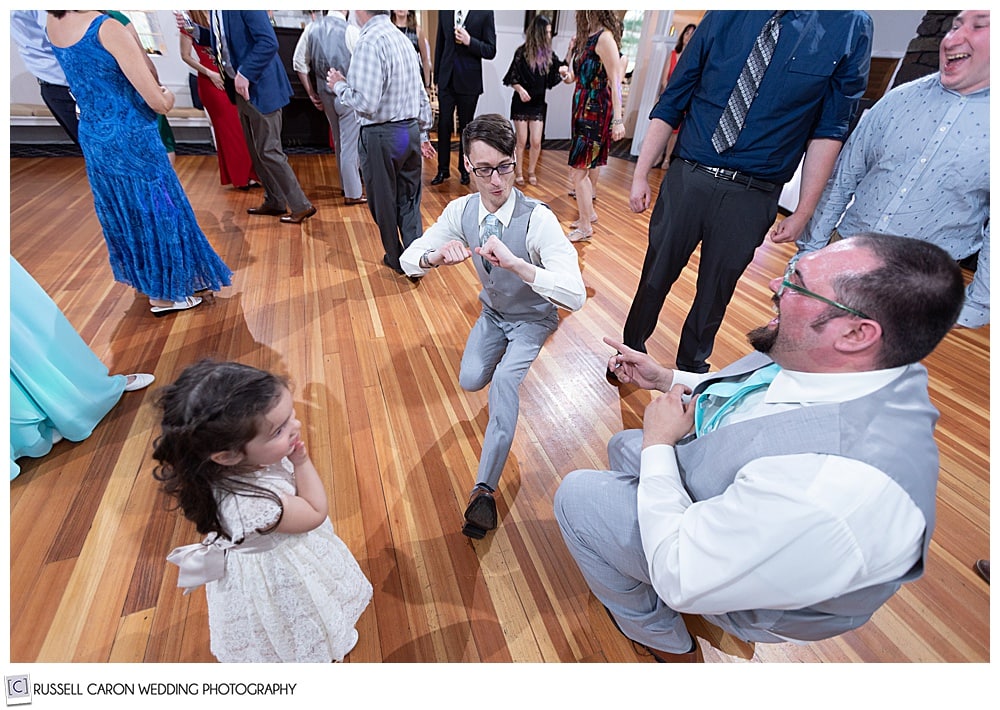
(148, 27)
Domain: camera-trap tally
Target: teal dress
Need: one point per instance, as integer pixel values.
(58, 386)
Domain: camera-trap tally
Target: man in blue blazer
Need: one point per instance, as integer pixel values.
(245, 42)
(464, 39)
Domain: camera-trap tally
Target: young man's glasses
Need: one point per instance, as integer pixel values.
(487, 172)
(786, 282)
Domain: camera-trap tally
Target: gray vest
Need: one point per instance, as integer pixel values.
(328, 48)
(502, 290)
(891, 429)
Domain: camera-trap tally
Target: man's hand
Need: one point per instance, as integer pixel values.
(639, 198)
(316, 101)
(453, 252)
(667, 418)
(462, 36)
(428, 150)
(498, 254)
(242, 86)
(633, 367)
(332, 77)
(789, 229)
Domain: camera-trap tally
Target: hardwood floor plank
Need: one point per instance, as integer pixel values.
(374, 362)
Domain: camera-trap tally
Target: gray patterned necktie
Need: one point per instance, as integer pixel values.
(491, 228)
(743, 94)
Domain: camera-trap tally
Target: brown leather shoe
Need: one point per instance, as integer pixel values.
(355, 200)
(298, 217)
(265, 211)
(481, 513)
(983, 567)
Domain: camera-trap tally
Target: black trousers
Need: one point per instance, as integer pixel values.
(391, 167)
(730, 221)
(448, 101)
(63, 107)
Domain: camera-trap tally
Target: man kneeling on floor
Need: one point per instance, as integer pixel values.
(788, 496)
(527, 268)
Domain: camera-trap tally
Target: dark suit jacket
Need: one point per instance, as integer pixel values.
(253, 52)
(456, 66)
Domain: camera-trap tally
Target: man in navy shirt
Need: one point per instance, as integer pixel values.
(728, 199)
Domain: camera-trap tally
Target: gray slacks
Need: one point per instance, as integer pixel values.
(346, 131)
(598, 516)
(263, 136)
(499, 353)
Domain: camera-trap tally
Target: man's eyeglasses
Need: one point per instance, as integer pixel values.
(787, 283)
(487, 172)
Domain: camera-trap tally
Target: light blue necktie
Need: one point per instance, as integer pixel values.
(719, 399)
(491, 228)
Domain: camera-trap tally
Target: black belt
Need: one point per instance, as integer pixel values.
(402, 121)
(732, 175)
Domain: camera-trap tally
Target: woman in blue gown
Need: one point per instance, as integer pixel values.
(154, 241)
(58, 386)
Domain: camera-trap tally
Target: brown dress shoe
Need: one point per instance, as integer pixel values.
(298, 217)
(266, 211)
(355, 200)
(692, 656)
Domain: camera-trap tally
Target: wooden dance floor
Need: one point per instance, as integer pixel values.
(374, 360)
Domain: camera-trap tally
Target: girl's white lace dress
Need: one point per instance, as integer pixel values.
(295, 602)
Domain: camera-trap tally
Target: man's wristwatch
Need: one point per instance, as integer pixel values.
(424, 262)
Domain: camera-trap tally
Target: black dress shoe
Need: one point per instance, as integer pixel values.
(397, 269)
(481, 514)
(465, 178)
(266, 211)
(440, 178)
(983, 568)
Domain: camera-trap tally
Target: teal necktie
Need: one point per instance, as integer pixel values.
(719, 399)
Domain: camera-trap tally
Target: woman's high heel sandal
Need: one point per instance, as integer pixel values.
(532, 180)
(518, 180)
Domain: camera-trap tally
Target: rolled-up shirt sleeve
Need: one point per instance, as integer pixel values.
(557, 264)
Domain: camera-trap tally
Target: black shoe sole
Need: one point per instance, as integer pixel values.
(473, 531)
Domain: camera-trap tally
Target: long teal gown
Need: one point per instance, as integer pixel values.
(57, 383)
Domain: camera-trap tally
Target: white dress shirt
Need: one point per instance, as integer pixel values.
(791, 530)
(557, 266)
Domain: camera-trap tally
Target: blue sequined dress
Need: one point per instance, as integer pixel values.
(154, 241)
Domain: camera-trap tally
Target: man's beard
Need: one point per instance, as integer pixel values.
(763, 338)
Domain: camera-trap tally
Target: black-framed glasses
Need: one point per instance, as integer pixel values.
(487, 172)
(787, 283)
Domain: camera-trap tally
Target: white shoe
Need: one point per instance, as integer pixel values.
(189, 302)
(140, 380)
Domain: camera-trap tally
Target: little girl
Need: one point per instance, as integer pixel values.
(281, 586)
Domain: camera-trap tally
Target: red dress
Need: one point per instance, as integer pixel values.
(235, 166)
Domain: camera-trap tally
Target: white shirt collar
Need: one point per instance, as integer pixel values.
(503, 214)
(792, 386)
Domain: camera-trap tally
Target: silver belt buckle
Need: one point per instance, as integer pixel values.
(715, 171)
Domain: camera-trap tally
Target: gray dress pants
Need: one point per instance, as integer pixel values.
(499, 353)
(263, 136)
(346, 131)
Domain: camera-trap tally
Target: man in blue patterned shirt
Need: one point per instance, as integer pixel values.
(918, 164)
(384, 85)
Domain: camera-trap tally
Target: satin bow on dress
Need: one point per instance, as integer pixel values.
(205, 561)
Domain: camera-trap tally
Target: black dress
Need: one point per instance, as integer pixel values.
(534, 81)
